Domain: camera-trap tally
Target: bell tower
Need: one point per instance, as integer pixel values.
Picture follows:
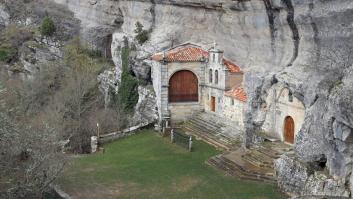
(215, 56)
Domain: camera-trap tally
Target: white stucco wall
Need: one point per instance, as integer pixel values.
(278, 108)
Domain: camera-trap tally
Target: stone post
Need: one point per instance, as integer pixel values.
(167, 124)
(190, 143)
(94, 144)
(172, 135)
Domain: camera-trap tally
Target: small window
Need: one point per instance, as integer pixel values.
(216, 77)
(210, 76)
(219, 100)
(213, 57)
(232, 101)
(290, 96)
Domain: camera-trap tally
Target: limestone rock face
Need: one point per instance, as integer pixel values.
(145, 109)
(39, 53)
(304, 45)
(4, 17)
(301, 179)
(291, 175)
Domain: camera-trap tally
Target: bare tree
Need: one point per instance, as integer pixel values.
(30, 159)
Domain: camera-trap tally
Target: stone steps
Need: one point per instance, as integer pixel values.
(259, 159)
(273, 150)
(252, 164)
(207, 138)
(203, 127)
(233, 169)
(209, 127)
(214, 134)
(206, 123)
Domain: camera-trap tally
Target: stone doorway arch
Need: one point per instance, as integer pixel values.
(288, 129)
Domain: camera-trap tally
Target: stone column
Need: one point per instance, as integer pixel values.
(94, 144)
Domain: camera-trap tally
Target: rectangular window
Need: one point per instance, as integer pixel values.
(232, 101)
(210, 75)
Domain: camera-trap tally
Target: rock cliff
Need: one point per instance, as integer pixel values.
(304, 45)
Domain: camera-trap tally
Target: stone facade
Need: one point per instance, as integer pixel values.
(234, 110)
(214, 79)
(161, 74)
(281, 103)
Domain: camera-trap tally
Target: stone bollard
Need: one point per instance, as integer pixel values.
(172, 135)
(190, 143)
(94, 144)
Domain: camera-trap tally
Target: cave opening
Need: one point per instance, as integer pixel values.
(321, 163)
(108, 46)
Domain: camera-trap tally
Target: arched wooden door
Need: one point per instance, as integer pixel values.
(289, 130)
(183, 87)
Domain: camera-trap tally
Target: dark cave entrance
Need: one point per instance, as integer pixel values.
(108, 46)
(321, 163)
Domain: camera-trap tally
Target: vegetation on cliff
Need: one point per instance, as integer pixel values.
(141, 34)
(48, 27)
(11, 39)
(60, 106)
(128, 89)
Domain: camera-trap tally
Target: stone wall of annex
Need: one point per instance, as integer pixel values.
(280, 104)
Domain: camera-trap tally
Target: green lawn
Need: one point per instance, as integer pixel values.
(149, 166)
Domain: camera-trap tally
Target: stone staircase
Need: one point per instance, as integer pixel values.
(251, 164)
(255, 163)
(212, 129)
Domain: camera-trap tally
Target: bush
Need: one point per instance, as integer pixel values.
(11, 39)
(48, 27)
(7, 53)
(128, 89)
(142, 35)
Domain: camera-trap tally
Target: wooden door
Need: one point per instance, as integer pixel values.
(183, 87)
(289, 130)
(213, 104)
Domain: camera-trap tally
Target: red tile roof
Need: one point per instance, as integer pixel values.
(190, 53)
(237, 92)
(233, 68)
(183, 53)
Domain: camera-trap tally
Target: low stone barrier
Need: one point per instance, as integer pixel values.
(121, 134)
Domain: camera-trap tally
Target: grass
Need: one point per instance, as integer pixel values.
(148, 166)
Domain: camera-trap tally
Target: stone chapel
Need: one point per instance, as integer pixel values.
(188, 80)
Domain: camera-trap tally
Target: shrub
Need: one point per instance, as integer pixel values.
(142, 35)
(128, 89)
(7, 53)
(48, 27)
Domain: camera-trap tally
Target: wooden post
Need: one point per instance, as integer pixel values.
(172, 135)
(190, 143)
(98, 133)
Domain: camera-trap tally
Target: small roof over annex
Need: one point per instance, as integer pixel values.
(238, 93)
(189, 52)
